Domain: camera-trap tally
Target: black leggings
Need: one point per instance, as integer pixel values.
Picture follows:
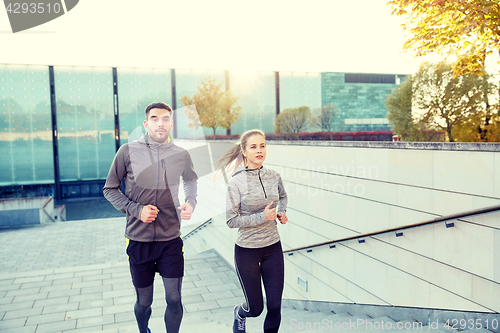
(252, 264)
(173, 312)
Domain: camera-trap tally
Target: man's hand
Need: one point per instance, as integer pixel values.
(282, 218)
(270, 213)
(149, 213)
(186, 211)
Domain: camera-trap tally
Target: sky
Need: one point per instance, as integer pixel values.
(275, 35)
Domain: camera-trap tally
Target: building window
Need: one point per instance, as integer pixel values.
(370, 78)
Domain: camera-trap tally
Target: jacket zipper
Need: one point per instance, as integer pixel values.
(163, 168)
(265, 195)
(156, 197)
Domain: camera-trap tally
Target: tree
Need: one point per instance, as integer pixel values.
(324, 118)
(493, 129)
(446, 100)
(434, 99)
(491, 118)
(484, 125)
(214, 108)
(469, 29)
(403, 122)
(398, 104)
(292, 120)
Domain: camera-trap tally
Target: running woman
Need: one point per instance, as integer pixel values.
(255, 200)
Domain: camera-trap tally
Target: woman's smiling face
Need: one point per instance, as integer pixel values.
(255, 151)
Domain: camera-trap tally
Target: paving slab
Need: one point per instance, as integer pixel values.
(74, 277)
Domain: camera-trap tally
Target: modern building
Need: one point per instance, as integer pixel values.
(359, 99)
(62, 125)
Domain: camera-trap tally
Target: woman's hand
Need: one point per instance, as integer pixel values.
(269, 212)
(282, 218)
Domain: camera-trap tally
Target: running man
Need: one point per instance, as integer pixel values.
(152, 167)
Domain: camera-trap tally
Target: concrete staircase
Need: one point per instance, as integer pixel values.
(303, 321)
(299, 317)
(20, 212)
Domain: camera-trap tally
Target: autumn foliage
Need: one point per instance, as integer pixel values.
(214, 108)
(468, 29)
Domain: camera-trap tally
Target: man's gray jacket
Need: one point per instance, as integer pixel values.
(152, 173)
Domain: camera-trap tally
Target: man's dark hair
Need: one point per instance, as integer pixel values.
(158, 105)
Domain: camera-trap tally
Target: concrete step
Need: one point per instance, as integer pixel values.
(303, 320)
(207, 327)
(296, 321)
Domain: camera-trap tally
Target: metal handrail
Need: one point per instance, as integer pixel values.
(195, 230)
(409, 226)
(47, 213)
(49, 216)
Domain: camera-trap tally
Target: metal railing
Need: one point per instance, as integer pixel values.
(51, 218)
(195, 230)
(399, 230)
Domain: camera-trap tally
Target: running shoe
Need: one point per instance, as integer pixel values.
(239, 323)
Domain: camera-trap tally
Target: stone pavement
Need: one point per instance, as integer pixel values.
(74, 277)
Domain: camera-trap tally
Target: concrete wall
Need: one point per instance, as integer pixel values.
(26, 211)
(13, 218)
(343, 189)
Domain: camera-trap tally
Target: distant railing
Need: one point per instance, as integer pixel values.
(314, 136)
(51, 218)
(398, 230)
(61, 213)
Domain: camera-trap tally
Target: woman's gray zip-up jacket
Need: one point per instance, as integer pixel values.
(249, 192)
(152, 174)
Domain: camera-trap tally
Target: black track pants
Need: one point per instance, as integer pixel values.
(254, 265)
